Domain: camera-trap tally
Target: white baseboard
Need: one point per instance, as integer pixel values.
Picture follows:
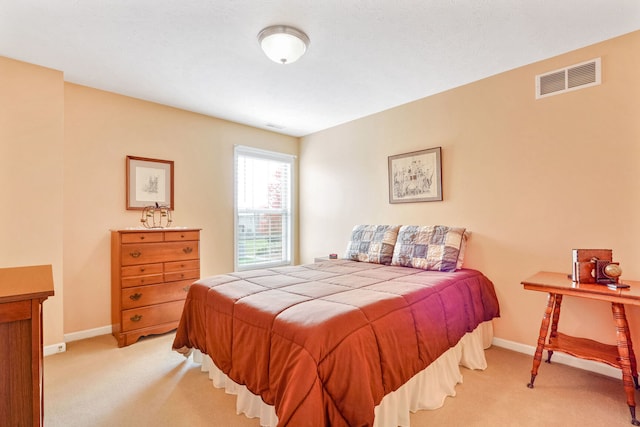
(48, 350)
(75, 336)
(565, 359)
(87, 333)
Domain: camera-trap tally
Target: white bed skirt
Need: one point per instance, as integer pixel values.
(428, 389)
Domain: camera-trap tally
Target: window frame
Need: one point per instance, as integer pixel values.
(246, 151)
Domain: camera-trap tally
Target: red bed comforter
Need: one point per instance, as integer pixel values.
(325, 342)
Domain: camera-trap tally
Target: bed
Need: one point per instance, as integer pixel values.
(326, 343)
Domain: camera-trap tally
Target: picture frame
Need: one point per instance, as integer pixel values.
(416, 176)
(149, 182)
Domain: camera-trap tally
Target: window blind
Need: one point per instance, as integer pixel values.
(263, 214)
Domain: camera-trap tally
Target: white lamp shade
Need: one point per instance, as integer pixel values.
(283, 44)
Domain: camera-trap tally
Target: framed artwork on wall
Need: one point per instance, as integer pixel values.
(149, 182)
(416, 176)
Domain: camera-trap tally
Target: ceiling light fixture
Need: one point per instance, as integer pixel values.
(283, 44)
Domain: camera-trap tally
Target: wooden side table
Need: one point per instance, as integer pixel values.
(620, 356)
(323, 259)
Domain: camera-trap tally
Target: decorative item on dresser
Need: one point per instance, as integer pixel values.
(151, 272)
(158, 216)
(22, 292)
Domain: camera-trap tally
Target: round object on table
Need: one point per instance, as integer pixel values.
(613, 270)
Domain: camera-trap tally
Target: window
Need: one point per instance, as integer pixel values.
(263, 214)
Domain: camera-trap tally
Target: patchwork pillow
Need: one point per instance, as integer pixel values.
(430, 247)
(372, 243)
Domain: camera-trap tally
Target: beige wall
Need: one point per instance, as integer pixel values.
(101, 129)
(62, 160)
(531, 179)
(31, 158)
(521, 174)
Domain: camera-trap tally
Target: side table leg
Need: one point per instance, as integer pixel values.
(542, 338)
(622, 333)
(632, 355)
(554, 324)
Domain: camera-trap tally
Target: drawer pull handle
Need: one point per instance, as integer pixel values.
(136, 318)
(142, 270)
(141, 237)
(135, 254)
(136, 296)
(186, 288)
(182, 236)
(187, 250)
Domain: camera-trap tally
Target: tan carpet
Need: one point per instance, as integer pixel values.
(95, 383)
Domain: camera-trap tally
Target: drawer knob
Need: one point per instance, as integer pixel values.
(135, 297)
(135, 254)
(141, 237)
(187, 250)
(186, 288)
(142, 270)
(136, 318)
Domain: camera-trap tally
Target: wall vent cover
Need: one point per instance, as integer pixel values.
(579, 76)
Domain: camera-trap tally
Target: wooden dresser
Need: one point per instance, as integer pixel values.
(22, 292)
(151, 272)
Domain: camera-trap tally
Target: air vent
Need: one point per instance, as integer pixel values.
(575, 77)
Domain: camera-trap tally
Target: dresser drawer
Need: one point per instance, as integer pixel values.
(148, 253)
(181, 265)
(150, 279)
(141, 270)
(152, 315)
(155, 294)
(146, 237)
(171, 236)
(182, 275)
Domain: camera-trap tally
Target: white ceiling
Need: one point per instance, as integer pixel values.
(365, 56)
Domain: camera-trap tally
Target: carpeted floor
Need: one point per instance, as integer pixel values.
(95, 383)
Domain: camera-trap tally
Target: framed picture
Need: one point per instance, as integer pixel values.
(149, 181)
(415, 176)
